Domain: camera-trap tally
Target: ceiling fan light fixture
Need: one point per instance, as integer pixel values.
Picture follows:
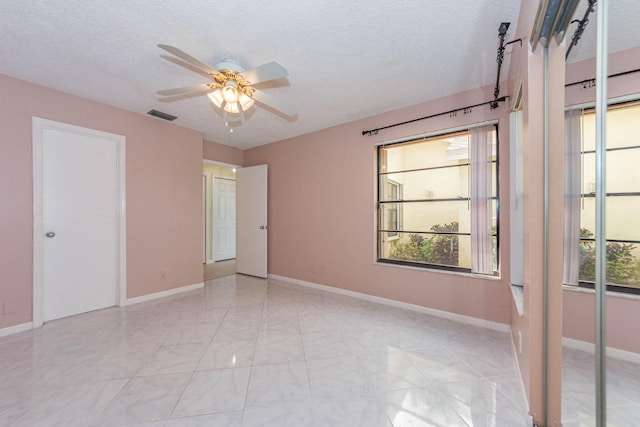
(245, 101)
(230, 91)
(216, 98)
(232, 107)
(231, 88)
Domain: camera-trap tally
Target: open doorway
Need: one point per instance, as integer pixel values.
(219, 209)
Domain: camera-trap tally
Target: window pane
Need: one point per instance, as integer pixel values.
(623, 263)
(438, 249)
(427, 216)
(623, 171)
(621, 121)
(430, 181)
(494, 179)
(448, 183)
(587, 216)
(622, 217)
(441, 151)
(588, 173)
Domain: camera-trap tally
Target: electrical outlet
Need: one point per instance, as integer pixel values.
(163, 274)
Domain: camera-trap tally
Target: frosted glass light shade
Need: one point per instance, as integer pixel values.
(231, 107)
(230, 92)
(216, 98)
(245, 101)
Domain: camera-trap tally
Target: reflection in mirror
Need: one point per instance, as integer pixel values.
(622, 225)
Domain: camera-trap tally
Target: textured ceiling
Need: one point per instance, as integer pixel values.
(346, 59)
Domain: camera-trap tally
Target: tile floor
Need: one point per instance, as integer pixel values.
(219, 269)
(252, 352)
(578, 392)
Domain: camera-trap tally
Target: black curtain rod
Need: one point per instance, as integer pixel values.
(591, 82)
(452, 113)
(502, 32)
(467, 110)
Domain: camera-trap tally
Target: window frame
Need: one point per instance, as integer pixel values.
(620, 103)
(494, 198)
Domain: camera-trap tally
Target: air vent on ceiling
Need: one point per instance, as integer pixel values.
(161, 115)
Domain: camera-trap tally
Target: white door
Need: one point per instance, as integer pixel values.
(79, 224)
(251, 252)
(224, 219)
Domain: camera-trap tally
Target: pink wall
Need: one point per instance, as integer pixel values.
(578, 307)
(528, 67)
(622, 61)
(222, 153)
(322, 212)
(519, 73)
(164, 193)
(530, 326)
(623, 316)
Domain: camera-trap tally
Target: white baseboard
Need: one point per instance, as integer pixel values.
(15, 329)
(156, 295)
(591, 348)
(460, 318)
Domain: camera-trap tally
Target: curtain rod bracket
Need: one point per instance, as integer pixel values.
(494, 104)
(582, 24)
(514, 41)
(502, 32)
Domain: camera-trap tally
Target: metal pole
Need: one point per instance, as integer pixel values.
(601, 249)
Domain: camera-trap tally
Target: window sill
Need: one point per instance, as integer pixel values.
(436, 270)
(623, 295)
(517, 292)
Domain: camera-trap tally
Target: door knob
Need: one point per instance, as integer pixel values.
(50, 234)
(263, 227)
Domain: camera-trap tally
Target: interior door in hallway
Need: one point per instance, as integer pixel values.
(79, 223)
(251, 252)
(224, 219)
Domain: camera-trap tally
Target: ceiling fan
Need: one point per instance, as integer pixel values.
(232, 87)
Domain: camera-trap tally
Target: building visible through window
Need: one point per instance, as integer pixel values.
(394, 191)
(438, 201)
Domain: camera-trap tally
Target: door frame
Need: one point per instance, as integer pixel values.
(208, 201)
(39, 126)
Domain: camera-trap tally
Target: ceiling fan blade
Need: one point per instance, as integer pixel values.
(187, 89)
(274, 103)
(264, 73)
(188, 58)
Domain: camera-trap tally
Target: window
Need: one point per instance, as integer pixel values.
(438, 201)
(516, 205)
(622, 199)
